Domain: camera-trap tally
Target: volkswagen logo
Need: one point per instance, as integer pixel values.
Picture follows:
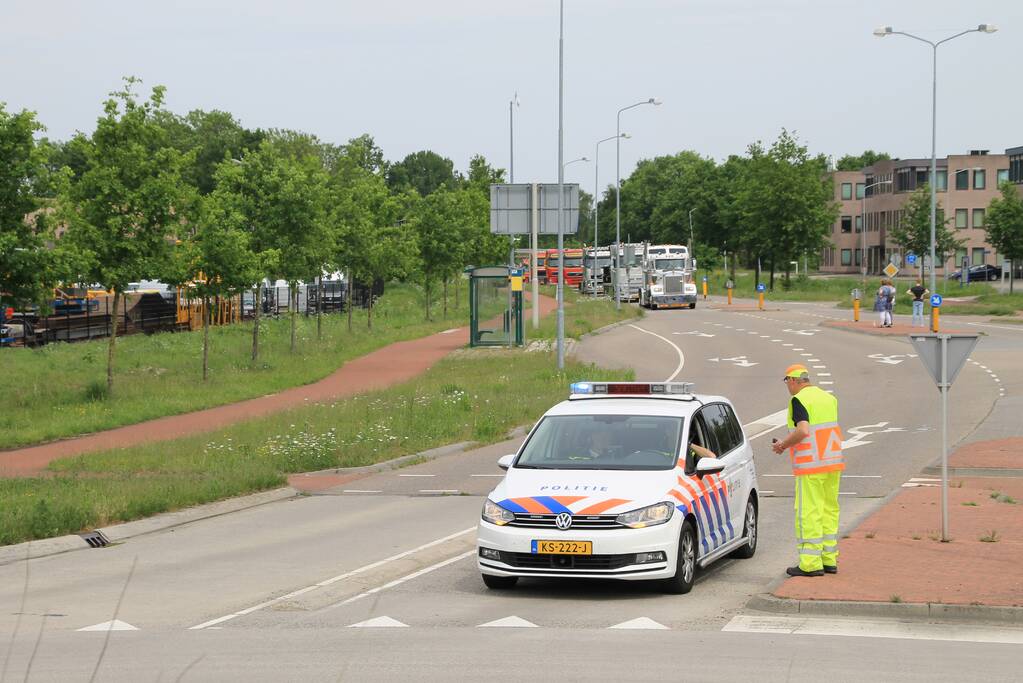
(563, 521)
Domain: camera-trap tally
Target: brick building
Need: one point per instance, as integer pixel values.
(874, 197)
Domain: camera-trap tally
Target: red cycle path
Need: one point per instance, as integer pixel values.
(393, 364)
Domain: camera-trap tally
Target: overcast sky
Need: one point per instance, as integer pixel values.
(438, 74)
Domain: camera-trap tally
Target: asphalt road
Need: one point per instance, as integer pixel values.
(375, 580)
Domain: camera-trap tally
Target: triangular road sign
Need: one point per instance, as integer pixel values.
(928, 347)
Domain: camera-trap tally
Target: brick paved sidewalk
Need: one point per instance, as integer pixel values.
(899, 329)
(393, 364)
(896, 554)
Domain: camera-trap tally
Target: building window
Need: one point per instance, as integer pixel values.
(961, 218)
(846, 190)
(942, 183)
(978, 218)
(859, 224)
(1002, 176)
(963, 179)
(847, 257)
(860, 190)
(1016, 168)
(978, 256)
(904, 180)
(846, 223)
(960, 257)
(979, 179)
(859, 256)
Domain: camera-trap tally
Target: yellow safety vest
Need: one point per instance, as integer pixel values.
(821, 451)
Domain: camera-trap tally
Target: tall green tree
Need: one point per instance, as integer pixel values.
(852, 162)
(424, 171)
(913, 231)
(127, 207)
(211, 136)
(1004, 225)
(28, 269)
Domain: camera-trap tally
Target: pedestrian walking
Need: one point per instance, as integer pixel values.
(918, 292)
(815, 451)
(884, 302)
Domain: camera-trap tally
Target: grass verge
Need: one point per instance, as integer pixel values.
(583, 314)
(474, 396)
(60, 390)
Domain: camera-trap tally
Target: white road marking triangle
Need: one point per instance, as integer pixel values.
(509, 622)
(379, 622)
(115, 625)
(641, 623)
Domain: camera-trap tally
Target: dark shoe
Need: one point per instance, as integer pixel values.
(830, 569)
(796, 571)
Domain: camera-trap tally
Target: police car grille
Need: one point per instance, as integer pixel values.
(578, 522)
(567, 562)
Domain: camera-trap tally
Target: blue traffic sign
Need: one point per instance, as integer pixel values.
(761, 287)
(936, 300)
(704, 278)
(911, 259)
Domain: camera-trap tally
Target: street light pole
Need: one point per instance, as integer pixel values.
(618, 192)
(512, 103)
(596, 200)
(888, 31)
(691, 252)
(561, 187)
(863, 230)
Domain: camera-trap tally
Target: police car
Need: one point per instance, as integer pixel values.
(607, 486)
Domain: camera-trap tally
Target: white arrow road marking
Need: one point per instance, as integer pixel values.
(379, 622)
(509, 622)
(861, 432)
(894, 359)
(681, 356)
(805, 333)
(641, 623)
(694, 332)
(115, 625)
(766, 424)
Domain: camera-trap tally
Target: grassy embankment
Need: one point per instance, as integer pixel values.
(471, 396)
(60, 390)
(583, 314)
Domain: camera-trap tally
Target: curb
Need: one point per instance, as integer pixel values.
(398, 463)
(1011, 472)
(121, 532)
(608, 328)
(900, 610)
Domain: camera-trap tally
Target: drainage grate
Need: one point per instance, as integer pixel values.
(95, 539)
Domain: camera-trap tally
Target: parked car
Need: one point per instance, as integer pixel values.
(979, 273)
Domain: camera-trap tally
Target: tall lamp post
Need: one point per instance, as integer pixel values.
(560, 283)
(691, 252)
(618, 191)
(596, 199)
(512, 104)
(883, 31)
(863, 229)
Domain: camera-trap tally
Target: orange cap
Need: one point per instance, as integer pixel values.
(797, 371)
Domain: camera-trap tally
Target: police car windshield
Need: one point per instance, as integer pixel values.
(603, 442)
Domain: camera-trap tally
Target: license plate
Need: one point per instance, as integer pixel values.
(563, 547)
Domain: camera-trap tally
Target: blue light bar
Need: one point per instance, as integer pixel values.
(581, 388)
(630, 388)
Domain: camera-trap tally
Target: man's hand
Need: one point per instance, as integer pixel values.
(777, 446)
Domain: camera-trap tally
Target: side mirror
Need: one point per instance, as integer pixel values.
(694, 264)
(506, 461)
(707, 466)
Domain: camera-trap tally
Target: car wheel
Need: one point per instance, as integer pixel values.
(685, 562)
(692, 306)
(749, 530)
(499, 582)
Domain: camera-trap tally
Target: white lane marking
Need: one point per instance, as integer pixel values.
(847, 493)
(417, 475)
(819, 367)
(923, 479)
(787, 345)
(814, 360)
(696, 333)
(115, 625)
(486, 475)
(999, 327)
(825, 382)
(799, 349)
(824, 374)
(509, 622)
(768, 422)
(379, 622)
(438, 490)
(332, 580)
(805, 355)
(874, 628)
(681, 356)
(407, 577)
(361, 491)
(641, 623)
(765, 336)
(767, 491)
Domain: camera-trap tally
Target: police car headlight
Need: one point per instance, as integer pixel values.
(495, 514)
(651, 515)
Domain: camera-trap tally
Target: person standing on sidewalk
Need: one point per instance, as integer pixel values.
(884, 302)
(918, 291)
(815, 451)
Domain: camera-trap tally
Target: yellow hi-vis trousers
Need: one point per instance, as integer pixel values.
(817, 520)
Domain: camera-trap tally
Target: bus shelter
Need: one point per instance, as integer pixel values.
(495, 306)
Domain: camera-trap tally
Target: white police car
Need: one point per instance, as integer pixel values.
(605, 486)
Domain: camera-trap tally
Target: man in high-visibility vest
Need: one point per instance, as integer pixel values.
(815, 450)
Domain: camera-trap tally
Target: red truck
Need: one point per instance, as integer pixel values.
(573, 266)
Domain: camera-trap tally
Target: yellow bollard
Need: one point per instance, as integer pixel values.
(704, 289)
(729, 296)
(760, 301)
(856, 310)
(934, 318)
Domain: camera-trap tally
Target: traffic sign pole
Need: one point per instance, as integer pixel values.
(944, 439)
